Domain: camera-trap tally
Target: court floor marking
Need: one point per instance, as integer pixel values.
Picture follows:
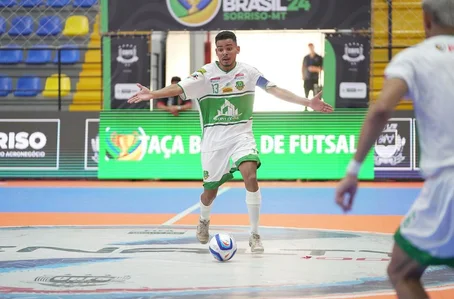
(191, 209)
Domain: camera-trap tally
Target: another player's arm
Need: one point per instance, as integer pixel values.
(393, 91)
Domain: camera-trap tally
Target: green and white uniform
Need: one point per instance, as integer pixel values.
(225, 102)
(427, 232)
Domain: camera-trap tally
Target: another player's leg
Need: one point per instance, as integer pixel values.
(405, 275)
(425, 237)
(206, 201)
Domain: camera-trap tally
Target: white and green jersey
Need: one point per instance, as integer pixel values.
(225, 101)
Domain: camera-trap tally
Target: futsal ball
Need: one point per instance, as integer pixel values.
(222, 247)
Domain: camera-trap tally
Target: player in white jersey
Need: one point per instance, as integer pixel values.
(425, 74)
(225, 95)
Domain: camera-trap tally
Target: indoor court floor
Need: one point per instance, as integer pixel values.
(136, 240)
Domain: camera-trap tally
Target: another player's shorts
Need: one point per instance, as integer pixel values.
(217, 167)
(427, 232)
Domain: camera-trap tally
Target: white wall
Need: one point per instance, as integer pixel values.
(279, 56)
(178, 61)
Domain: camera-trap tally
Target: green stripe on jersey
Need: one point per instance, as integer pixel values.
(226, 109)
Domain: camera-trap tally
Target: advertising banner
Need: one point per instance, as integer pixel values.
(44, 144)
(165, 15)
(130, 64)
(291, 145)
(347, 61)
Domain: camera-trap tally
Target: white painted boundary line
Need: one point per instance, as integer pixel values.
(191, 209)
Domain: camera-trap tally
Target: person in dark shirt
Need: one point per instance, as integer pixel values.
(312, 66)
(174, 104)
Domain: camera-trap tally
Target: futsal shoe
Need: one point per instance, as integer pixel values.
(203, 231)
(255, 243)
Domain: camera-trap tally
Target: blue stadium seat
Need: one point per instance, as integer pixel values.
(22, 25)
(7, 3)
(58, 3)
(84, 3)
(2, 26)
(68, 55)
(28, 86)
(50, 25)
(11, 54)
(39, 54)
(31, 3)
(6, 86)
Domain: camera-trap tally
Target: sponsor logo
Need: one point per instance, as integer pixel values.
(127, 54)
(196, 13)
(91, 144)
(124, 91)
(353, 90)
(27, 144)
(227, 112)
(78, 281)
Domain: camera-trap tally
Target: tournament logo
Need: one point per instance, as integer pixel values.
(389, 146)
(193, 13)
(125, 146)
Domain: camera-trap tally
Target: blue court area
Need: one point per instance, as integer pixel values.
(369, 201)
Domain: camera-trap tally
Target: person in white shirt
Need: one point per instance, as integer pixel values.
(224, 91)
(425, 74)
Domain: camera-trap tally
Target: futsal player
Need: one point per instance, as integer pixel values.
(425, 73)
(225, 92)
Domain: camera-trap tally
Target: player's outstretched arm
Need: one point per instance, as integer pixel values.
(315, 103)
(145, 94)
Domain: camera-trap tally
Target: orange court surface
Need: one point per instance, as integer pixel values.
(131, 240)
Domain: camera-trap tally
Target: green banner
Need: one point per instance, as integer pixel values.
(158, 145)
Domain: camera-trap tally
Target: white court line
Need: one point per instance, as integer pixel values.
(191, 209)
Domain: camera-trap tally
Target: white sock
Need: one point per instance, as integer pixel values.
(205, 211)
(253, 201)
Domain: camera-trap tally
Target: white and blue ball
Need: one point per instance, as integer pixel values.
(222, 247)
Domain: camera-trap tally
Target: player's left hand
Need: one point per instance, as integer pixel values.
(345, 192)
(318, 105)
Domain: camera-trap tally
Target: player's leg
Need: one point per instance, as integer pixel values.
(425, 237)
(216, 171)
(246, 159)
(405, 275)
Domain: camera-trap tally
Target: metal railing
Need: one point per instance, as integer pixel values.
(48, 78)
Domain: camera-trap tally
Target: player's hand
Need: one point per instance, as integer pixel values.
(318, 105)
(142, 95)
(345, 192)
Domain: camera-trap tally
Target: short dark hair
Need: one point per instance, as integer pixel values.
(223, 35)
(177, 79)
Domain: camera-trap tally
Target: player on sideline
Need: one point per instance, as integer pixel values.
(425, 73)
(225, 92)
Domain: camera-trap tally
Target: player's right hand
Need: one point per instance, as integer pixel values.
(142, 95)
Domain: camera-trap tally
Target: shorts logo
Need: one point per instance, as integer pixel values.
(193, 13)
(205, 174)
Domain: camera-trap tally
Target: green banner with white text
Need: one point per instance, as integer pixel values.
(143, 145)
